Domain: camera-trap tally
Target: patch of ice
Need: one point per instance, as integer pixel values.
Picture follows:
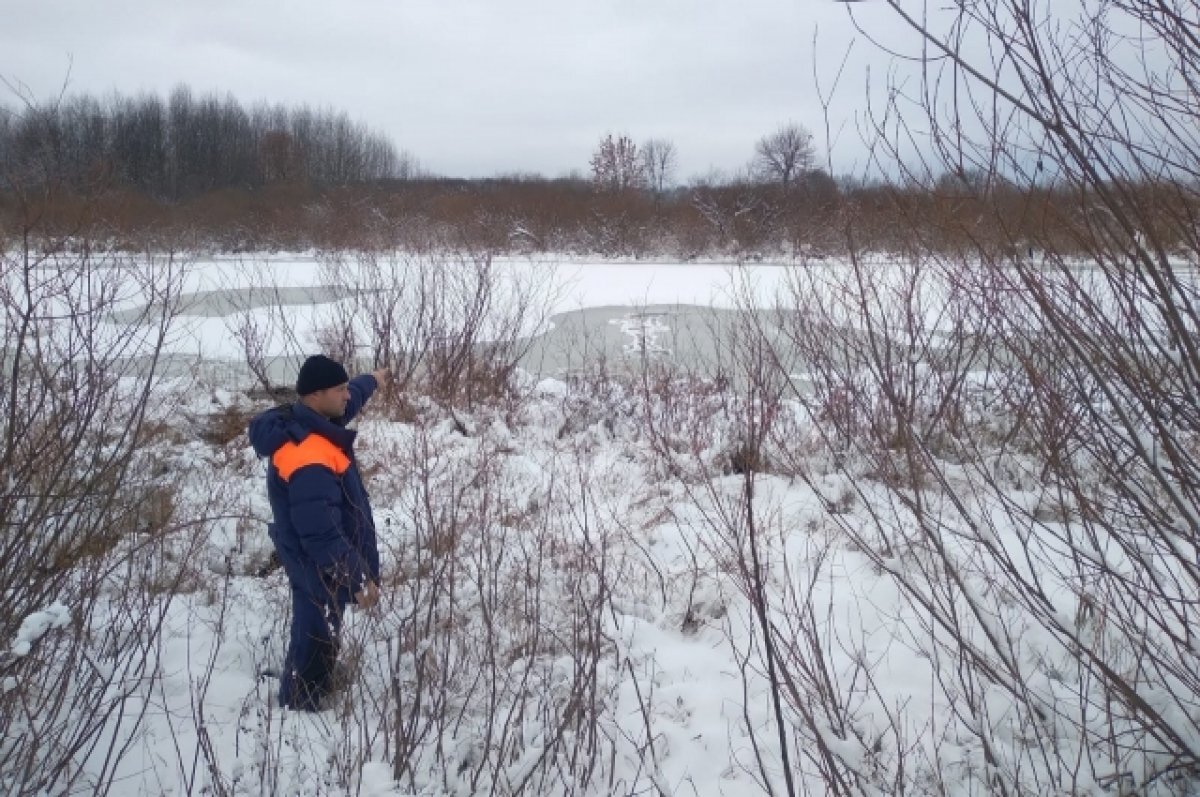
(647, 331)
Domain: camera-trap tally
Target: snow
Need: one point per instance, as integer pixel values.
(35, 626)
(493, 545)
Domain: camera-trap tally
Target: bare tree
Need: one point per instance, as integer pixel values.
(408, 166)
(784, 155)
(659, 161)
(617, 164)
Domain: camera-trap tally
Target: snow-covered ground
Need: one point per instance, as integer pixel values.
(585, 592)
(572, 548)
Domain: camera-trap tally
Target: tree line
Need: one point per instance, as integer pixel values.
(188, 144)
(204, 169)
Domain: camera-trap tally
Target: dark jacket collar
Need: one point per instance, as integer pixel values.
(333, 431)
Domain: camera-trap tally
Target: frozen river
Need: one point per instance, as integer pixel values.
(619, 314)
(582, 313)
(621, 338)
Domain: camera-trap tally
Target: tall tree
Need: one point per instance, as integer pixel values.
(784, 155)
(617, 164)
(659, 160)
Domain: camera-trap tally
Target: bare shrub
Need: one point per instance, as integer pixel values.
(496, 668)
(84, 512)
(454, 326)
(261, 325)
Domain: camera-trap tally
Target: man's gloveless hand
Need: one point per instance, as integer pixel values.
(368, 596)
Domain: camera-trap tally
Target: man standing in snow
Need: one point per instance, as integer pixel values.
(323, 530)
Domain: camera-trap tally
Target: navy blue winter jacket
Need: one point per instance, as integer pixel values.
(323, 530)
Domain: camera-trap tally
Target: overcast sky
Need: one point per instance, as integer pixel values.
(478, 87)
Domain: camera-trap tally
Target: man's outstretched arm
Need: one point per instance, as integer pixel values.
(361, 389)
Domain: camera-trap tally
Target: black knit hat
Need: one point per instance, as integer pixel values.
(318, 373)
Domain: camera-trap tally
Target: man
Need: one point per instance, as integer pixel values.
(323, 531)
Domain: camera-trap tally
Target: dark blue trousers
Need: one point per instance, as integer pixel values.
(312, 651)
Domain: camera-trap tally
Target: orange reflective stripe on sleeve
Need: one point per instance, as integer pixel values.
(312, 450)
